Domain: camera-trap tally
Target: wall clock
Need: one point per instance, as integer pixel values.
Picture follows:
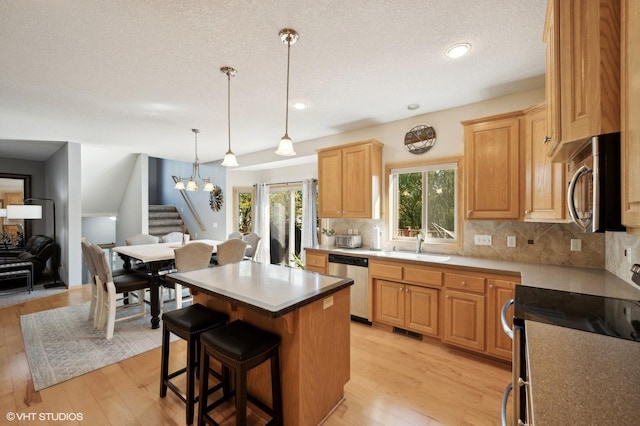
(216, 198)
(420, 139)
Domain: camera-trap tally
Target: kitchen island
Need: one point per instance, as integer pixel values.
(310, 313)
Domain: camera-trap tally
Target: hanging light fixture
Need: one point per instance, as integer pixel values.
(229, 157)
(192, 184)
(288, 37)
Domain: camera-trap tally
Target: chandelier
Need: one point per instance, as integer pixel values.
(195, 181)
(288, 37)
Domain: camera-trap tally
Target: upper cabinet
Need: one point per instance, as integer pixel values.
(492, 167)
(544, 199)
(350, 180)
(630, 147)
(584, 36)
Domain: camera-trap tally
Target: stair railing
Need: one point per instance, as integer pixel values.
(190, 207)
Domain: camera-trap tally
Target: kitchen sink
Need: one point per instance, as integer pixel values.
(424, 257)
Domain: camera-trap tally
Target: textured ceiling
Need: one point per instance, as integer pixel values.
(137, 75)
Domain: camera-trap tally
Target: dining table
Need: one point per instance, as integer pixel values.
(155, 257)
(310, 312)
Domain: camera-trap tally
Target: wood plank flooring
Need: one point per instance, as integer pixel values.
(395, 380)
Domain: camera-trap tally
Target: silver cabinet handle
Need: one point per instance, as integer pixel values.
(463, 283)
(503, 318)
(503, 409)
(490, 285)
(546, 140)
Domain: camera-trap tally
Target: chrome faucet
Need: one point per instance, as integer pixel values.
(419, 240)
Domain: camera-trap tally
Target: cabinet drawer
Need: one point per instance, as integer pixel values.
(464, 282)
(385, 270)
(316, 260)
(419, 275)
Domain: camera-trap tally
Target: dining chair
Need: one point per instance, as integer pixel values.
(231, 251)
(175, 237)
(96, 294)
(188, 258)
(142, 239)
(253, 240)
(111, 286)
(234, 236)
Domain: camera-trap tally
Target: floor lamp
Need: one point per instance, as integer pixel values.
(29, 211)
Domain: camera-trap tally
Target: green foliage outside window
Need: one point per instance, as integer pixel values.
(245, 221)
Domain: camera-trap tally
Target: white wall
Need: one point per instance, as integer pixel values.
(63, 183)
(133, 216)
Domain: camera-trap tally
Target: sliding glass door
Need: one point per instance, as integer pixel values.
(286, 223)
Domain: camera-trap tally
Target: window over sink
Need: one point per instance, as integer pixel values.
(423, 199)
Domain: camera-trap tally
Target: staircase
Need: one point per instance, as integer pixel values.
(164, 219)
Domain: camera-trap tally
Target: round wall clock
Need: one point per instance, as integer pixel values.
(420, 139)
(216, 198)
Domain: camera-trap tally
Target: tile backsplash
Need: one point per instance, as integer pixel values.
(548, 243)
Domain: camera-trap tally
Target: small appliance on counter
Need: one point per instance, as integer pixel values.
(348, 241)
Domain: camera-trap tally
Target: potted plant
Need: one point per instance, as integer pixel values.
(328, 237)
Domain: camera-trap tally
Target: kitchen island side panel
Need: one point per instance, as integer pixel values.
(314, 355)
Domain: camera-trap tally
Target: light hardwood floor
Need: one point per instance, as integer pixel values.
(395, 380)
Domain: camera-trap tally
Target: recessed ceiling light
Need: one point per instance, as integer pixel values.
(458, 50)
(299, 105)
(412, 107)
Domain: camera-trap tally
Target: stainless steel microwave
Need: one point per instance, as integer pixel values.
(593, 196)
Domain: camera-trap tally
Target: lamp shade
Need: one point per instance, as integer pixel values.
(24, 211)
(286, 147)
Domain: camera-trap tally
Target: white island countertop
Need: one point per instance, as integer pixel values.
(272, 290)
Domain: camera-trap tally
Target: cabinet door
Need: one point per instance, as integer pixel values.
(389, 304)
(589, 68)
(330, 183)
(498, 343)
(421, 313)
(492, 157)
(464, 319)
(552, 77)
(316, 262)
(630, 149)
(356, 181)
(544, 180)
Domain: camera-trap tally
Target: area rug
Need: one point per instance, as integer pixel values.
(18, 295)
(62, 344)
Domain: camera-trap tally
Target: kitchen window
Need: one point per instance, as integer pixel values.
(243, 209)
(424, 200)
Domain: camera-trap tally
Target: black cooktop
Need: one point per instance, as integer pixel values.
(596, 314)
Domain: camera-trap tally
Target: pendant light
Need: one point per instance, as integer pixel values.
(288, 37)
(229, 157)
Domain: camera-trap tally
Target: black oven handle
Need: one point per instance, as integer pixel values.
(582, 224)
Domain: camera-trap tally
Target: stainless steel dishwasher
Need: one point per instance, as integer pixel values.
(356, 268)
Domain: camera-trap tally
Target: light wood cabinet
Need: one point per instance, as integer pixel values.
(498, 293)
(464, 319)
(12, 198)
(492, 162)
(587, 37)
(399, 303)
(350, 181)
(316, 261)
(545, 197)
(409, 307)
(630, 137)
(551, 39)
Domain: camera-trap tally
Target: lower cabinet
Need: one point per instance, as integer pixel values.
(316, 261)
(410, 307)
(498, 293)
(460, 307)
(464, 319)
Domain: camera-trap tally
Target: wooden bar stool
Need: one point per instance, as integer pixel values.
(239, 347)
(187, 323)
